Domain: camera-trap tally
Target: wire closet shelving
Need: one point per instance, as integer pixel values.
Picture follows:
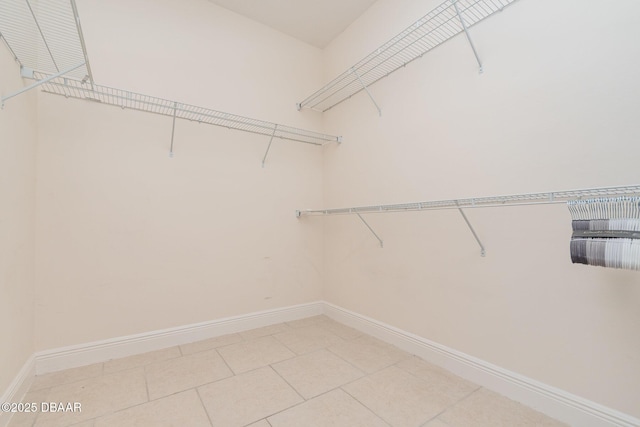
(552, 197)
(46, 36)
(71, 88)
(485, 202)
(441, 24)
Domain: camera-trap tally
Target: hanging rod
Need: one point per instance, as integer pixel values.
(441, 24)
(484, 202)
(45, 35)
(72, 88)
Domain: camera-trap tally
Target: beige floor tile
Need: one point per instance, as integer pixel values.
(308, 338)
(438, 379)
(26, 419)
(248, 355)
(308, 321)
(340, 330)
(174, 375)
(333, 409)
(261, 423)
(246, 398)
(22, 419)
(398, 397)
(265, 331)
(90, 423)
(210, 344)
(485, 408)
(436, 423)
(98, 396)
(137, 360)
(369, 354)
(316, 373)
(67, 376)
(179, 410)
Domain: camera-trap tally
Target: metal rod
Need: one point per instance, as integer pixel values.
(370, 229)
(367, 90)
(527, 199)
(82, 43)
(6, 43)
(39, 82)
(275, 128)
(466, 32)
(44, 40)
(482, 250)
(173, 127)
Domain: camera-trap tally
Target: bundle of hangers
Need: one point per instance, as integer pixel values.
(606, 232)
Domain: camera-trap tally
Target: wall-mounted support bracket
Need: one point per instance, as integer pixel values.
(173, 127)
(269, 146)
(483, 252)
(89, 75)
(38, 83)
(353, 70)
(466, 32)
(370, 229)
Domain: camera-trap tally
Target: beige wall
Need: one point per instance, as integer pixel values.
(556, 108)
(132, 241)
(17, 203)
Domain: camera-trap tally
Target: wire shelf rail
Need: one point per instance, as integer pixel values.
(484, 202)
(478, 202)
(441, 24)
(45, 36)
(72, 88)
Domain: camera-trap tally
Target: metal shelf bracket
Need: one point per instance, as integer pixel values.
(275, 128)
(173, 127)
(38, 83)
(353, 70)
(466, 32)
(371, 230)
(483, 252)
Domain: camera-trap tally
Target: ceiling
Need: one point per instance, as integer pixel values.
(316, 22)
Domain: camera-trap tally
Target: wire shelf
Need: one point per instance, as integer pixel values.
(485, 202)
(45, 35)
(436, 27)
(71, 88)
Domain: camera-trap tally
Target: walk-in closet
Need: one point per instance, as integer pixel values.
(270, 213)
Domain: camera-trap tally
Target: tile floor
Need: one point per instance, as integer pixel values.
(310, 372)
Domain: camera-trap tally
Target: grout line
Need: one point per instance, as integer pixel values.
(477, 387)
(297, 404)
(365, 373)
(204, 406)
(447, 408)
(371, 410)
(285, 380)
(233, 373)
(146, 383)
(435, 418)
(215, 347)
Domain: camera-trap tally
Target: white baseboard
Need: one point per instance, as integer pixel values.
(556, 403)
(549, 400)
(18, 388)
(101, 351)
